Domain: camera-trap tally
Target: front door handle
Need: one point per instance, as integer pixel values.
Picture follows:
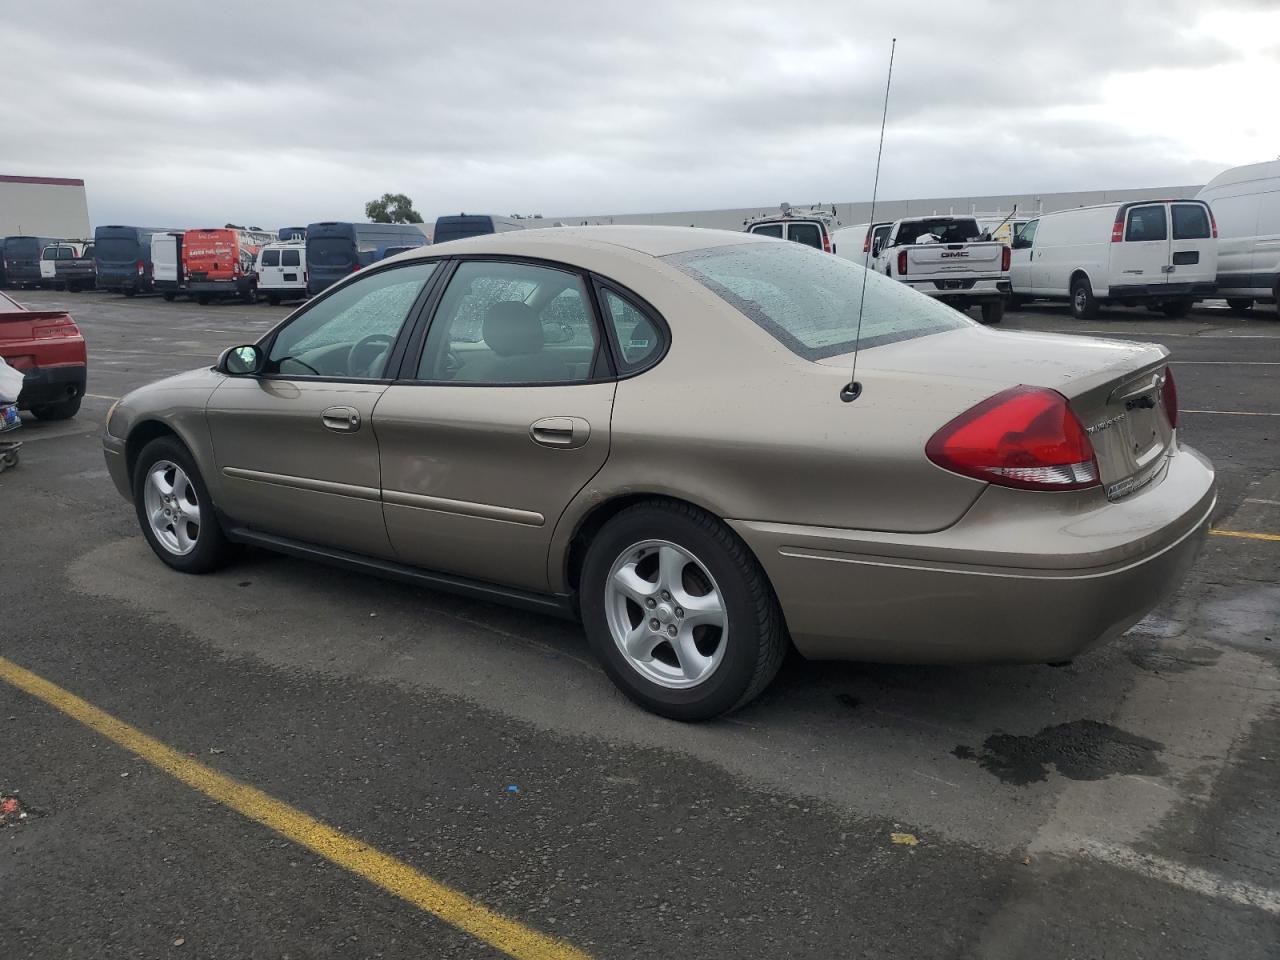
(341, 419)
(565, 433)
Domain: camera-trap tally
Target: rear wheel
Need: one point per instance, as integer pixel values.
(679, 612)
(993, 312)
(1084, 305)
(1017, 303)
(1239, 307)
(273, 299)
(203, 299)
(62, 410)
(249, 295)
(175, 511)
(1175, 308)
(131, 293)
(169, 296)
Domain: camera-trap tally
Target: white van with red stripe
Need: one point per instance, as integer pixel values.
(1159, 253)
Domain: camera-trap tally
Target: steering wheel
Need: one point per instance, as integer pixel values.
(381, 340)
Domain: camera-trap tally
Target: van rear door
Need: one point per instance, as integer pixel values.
(1141, 259)
(1193, 249)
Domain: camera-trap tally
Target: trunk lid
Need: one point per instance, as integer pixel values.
(1115, 387)
(952, 259)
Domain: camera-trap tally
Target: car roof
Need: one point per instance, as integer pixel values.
(654, 241)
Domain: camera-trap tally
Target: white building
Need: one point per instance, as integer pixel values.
(43, 207)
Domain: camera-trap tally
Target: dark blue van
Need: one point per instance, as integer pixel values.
(122, 257)
(292, 233)
(22, 259)
(335, 249)
(474, 225)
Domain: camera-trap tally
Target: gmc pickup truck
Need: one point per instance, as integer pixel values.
(46, 347)
(75, 273)
(950, 258)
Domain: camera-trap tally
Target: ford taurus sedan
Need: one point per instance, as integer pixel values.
(648, 428)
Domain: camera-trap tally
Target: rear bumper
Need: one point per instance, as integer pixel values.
(971, 289)
(973, 592)
(222, 288)
(52, 384)
(124, 283)
(1161, 291)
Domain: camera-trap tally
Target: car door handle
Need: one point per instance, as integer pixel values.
(341, 419)
(563, 432)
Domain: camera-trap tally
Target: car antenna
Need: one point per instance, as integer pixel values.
(852, 390)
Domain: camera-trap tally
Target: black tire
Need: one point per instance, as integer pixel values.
(131, 293)
(73, 288)
(62, 410)
(249, 295)
(1175, 309)
(756, 635)
(203, 299)
(1084, 305)
(1017, 303)
(273, 299)
(169, 296)
(212, 548)
(1239, 307)
(993, 312)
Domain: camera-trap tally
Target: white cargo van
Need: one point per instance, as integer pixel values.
(1246, 203)
(857, 242)
(1161, 253)
(166, 261)
(282, 271)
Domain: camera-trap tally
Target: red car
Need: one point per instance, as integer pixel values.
(46, 346)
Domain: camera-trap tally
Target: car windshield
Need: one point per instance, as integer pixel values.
(810, 301)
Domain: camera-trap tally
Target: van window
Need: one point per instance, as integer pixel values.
(1025, 235)
(1190, 222)
(49, 253)
(810, 234)
(769, 230)
(271, 258)
(330, 251)
(1147, 223)
(290, 258)
(66, 253)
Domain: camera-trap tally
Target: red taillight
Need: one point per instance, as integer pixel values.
(1117, 228)
(902, 262)
(355, 267)
(142, 267)
(826, 242)
(1006, 258)
(1024, 437)
(866, 244)
(1169, 396)
(1213, 224)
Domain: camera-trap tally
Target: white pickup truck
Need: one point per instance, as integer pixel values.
(951, 258)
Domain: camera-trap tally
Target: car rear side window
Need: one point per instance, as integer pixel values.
(271, 258)
(1190, 222)
(1147, 223)
(809, 301)
(768, 230)
(810, 234)
(290, 258)
(639, 337)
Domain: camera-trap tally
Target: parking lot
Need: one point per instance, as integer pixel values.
(1122, 805)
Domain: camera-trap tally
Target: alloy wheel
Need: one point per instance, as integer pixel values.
(172, 507)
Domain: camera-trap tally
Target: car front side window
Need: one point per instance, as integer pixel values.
(350, 333)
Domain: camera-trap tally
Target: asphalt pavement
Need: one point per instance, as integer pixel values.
(1121, 806)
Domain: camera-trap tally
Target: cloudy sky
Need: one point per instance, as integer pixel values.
(288, 113)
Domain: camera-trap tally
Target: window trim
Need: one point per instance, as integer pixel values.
(412, 357)
(1128, 223)
(267, 341)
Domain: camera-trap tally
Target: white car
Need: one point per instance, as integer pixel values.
(1162, 253)
(282, 271)
(1246, 202)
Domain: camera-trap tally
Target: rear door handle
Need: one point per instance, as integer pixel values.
(341, 419)
(565, 433)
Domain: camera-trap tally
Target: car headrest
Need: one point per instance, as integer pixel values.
(512, 329)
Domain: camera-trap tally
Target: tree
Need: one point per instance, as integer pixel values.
(392, 208)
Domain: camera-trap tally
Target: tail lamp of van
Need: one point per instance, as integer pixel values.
(902, 262)
(826, 242)
(1006, 258)
(1169, 397)
(142, 267)
(866, 244)
(1117, 228)
(1213, 223)
(1025, 437)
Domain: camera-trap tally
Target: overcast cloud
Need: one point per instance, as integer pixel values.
(282, 114)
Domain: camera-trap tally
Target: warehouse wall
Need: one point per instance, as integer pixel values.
(43, 207)
(859, 212)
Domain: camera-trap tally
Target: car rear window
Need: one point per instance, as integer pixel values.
(1147, 223)
(946, 229)
(809, 301)
(271, 258)
(289, 258)
(1190, 222)
(768, 230)
(117, 249)
(810, 234)
(331, 251)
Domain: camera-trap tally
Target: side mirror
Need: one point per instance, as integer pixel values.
(246, 361)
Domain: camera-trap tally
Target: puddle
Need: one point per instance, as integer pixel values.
(1158, 659)
(1079, 750)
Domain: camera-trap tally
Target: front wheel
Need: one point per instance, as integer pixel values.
(1240, 308)
(175, 510)
(203, 299)
(131, 293)
(993, 312)
(169, 296)
(1084, 305)
(1176, 308)
(679, 612)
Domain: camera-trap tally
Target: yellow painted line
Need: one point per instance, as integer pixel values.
(381, 869)
(1247, 535)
